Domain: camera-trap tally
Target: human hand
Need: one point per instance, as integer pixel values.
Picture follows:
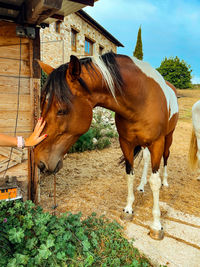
(35, 137)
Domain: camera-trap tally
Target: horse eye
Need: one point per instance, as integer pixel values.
(62, 112)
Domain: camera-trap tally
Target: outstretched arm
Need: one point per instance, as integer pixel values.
(32, 140)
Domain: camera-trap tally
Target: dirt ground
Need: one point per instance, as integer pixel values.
(94, 182)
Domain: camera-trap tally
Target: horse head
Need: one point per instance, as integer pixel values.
(66, 110)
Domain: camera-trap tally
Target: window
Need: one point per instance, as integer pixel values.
(101, 50)
(88, 47)
(57, 26)
(73, 39)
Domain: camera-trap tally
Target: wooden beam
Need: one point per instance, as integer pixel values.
(57, 16)
(3, 17)
(84, 2)
(38, 10)
(9, 6)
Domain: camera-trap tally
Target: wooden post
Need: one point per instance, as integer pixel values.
(34, 190)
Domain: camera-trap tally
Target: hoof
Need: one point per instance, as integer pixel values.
(126, 216)
(140, 189)
(155, 234)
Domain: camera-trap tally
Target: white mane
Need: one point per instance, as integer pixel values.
(107, 77)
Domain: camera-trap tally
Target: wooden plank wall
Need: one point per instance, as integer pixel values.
(16, 61)
(10, 68)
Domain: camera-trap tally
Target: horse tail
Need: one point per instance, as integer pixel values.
(137, 150)
(193, 151)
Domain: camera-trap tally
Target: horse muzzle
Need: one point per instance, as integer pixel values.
(50, 170)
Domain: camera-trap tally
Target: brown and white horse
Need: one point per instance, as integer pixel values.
(194, 151)
(146, 113)
(146, 159)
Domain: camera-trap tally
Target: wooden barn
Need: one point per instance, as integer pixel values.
(20, 23)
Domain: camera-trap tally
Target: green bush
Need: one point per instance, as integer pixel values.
(98, 136)
(176, 71)
(29, 237)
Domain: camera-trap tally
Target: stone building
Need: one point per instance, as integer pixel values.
(78, 34)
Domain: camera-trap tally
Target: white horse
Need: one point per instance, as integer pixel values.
(194, 151)
(146, 159)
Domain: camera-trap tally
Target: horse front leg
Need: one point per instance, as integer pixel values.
(146, 158)
(130, 197)
(128, 155)
(156, 150)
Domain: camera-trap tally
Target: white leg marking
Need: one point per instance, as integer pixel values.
(130, 198)
(165, 175)
(155, 183)
(146, 158)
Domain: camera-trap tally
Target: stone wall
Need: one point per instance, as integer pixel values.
(56, 47)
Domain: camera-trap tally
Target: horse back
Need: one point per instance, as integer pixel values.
(172, 87)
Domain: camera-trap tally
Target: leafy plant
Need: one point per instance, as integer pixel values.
(176, 71)
(29, 237)
(98, 136)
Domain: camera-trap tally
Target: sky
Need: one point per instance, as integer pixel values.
(170, 28)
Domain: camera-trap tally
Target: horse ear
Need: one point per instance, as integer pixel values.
(74, 69)
(45, 67)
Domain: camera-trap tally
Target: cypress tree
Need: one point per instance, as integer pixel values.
(138, 53)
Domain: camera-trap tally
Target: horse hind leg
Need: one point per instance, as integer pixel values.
(156, 150)
(146, 158)
(168, 142)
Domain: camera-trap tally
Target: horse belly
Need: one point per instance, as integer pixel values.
(141, 132)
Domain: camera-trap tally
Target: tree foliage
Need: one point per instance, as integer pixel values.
(176, 71)
(138, 53)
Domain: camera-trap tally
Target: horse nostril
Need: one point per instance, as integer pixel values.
(58, 167)
(41, 166)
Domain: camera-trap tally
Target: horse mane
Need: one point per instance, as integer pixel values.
(109, 69)
(56, 84)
